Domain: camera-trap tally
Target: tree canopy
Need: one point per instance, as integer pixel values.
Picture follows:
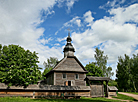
(18, 66)
(101, 61)
(94, 70)
(127, 73)
(51, 62)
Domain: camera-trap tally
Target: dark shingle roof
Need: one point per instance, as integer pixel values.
(98, 78)
(112, 88)
(68, 64)
(46, 87)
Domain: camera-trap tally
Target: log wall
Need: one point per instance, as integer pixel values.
(59, 80)
(43, 90)
(35, 93)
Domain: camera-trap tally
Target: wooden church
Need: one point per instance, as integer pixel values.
(67, 78)
(69, 71)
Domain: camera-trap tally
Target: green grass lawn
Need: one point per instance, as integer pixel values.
(83, 99)
(124, 97)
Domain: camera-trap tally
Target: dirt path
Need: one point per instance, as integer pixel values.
(131, 95)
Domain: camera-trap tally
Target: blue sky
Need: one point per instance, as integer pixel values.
(41, 26)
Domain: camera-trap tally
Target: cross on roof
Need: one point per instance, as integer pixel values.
(69, 32)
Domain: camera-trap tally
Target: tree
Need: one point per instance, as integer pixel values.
(51, 62)
(2, 72)
(93, 70)
(101, 61)
(112, 83)
(108, 72)
(134, 72)
(127, 73)
(19, 66)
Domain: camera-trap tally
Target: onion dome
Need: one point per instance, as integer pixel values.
(69, 49)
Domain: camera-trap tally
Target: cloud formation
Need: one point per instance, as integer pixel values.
(19, 23)
(116, 35)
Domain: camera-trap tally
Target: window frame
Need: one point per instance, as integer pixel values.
(77, 76)
(63, 76)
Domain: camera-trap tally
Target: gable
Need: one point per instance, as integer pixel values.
(70, 64)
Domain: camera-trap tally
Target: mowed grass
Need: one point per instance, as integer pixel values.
(124, 97)
(83, 99)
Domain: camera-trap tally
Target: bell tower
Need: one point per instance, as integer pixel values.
(69, 49)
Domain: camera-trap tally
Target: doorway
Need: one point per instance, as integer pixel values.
(69, 83)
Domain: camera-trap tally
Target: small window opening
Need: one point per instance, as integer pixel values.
(77, 76)
(64, 75)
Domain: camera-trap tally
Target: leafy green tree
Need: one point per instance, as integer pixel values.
(112, 83)
(108, 72)
(94, 70)
(101, 61)
(19, 66)
(134, 72)
(51, 62)
(2, 69)
(126, 74)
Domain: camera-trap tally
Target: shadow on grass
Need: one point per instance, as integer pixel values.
(83, 99)
(76, 100)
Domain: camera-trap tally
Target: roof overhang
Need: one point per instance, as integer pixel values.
(98, 78)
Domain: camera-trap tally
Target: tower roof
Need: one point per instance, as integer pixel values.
(69, 46)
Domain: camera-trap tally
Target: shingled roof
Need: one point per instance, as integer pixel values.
(46, 87)
(98, 78)
(69, 64)
(112, 88)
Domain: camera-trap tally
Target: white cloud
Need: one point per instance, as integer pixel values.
(61, 39)
(78, 22)
(19, 21)
(74, 20)
(45, 41)
(18, 25)
(88, 18)
(70, 23)
(113, 4)
(70, 4)
(109, 30)
(128, 14)
(57, 44)
(116, 35)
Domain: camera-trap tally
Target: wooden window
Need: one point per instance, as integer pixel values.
(64, 76)
(77, 76)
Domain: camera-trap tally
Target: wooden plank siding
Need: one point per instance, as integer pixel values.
(70, 77)
(32, 93)
(97, 90)
(43, 90)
